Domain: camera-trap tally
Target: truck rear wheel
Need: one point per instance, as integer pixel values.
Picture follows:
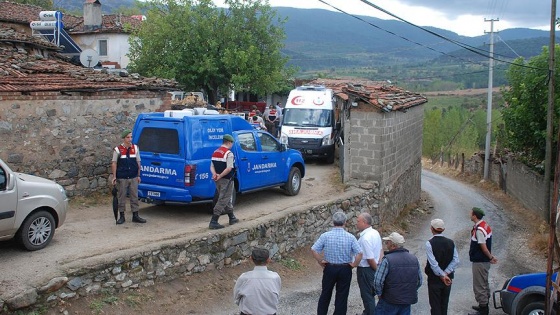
(293, 184)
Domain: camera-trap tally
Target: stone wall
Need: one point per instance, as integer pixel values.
(281, 233)
(69, 137)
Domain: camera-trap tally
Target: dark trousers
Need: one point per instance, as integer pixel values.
(341, 277)
(438, 294)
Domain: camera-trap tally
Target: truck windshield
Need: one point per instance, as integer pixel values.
(307, 117)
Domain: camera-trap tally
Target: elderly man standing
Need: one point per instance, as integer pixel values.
(370, 241)
(337, 251)
(258, 291)
(397, 279)
(440, 268)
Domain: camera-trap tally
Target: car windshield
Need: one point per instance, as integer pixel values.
(307, 117)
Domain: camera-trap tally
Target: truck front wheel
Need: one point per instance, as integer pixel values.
(534, 308)
(294, 182)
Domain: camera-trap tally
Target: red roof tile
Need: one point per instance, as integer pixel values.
(29, 64)
(381, 95)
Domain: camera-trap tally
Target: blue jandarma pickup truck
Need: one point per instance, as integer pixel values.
(523, 294)
(176, 146)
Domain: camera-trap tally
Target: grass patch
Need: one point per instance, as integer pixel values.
(291, 263)
(135, 300)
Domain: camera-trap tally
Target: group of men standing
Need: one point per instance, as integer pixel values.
(395, 275)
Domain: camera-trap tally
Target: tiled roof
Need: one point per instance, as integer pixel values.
(25, 13)
(18, 13)
(28, 64)
(381, 95)
(112, 23)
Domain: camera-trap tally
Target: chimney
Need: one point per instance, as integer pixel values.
(92, 15)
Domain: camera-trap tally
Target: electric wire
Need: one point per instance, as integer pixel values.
(462, 45)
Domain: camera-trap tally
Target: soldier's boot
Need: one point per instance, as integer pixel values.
(214, 225)
(480, 310)
(232, 218)
(136, 218)
(121, 218)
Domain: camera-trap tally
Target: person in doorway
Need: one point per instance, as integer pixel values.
(397, 278)
(337, 251)
(279, 116)
(125, 167)
(258, 291)
(480, 254)
(440, 267)
(271, 116)
(222, 169)
(370, 242)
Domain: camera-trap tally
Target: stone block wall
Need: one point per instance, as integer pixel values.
(281, 234)
(69, 137)
(385, 148)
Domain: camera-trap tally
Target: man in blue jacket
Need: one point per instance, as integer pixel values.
(397, 278)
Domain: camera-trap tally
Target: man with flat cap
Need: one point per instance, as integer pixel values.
(397, 278)
(480, 254)
(258, 291)
(125, 167)
(222, 169)
(442, 261)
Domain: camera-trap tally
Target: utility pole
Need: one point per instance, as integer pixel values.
(552, 207)
(489, 102)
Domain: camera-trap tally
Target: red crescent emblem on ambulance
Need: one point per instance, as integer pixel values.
(318, 101)
(298, 100)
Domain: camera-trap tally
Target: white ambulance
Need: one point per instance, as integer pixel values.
(308, 122)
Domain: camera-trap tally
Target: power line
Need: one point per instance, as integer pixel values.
(462, 45)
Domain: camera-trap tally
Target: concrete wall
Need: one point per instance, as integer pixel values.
(69, 138)
(517, 180)
(281, 233)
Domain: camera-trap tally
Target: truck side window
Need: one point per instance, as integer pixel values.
(159, 140)
(247, 142)
(3, 179)
(268, 143)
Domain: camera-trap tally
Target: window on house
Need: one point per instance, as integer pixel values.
(102, 47)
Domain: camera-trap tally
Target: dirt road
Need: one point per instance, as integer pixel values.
(90, 235)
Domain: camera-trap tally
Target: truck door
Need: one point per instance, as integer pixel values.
(162, 154)
(272, 158)
(8, 201)
(248, 160)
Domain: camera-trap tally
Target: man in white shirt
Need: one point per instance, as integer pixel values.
(257, 291)
(372, 248)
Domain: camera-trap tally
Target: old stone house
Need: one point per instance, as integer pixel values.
(381, 139)
(61, 121)
(107, 34)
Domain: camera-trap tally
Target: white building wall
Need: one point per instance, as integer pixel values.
(117, 46)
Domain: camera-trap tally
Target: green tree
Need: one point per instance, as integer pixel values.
(218, 50)
(525, 108)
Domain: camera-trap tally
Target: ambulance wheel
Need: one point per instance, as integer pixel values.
(293, 184)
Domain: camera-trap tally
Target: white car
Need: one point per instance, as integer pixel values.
(31, 208)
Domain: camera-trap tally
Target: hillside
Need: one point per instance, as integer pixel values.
(332, 43)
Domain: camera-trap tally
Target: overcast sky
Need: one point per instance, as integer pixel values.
(465, 17)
